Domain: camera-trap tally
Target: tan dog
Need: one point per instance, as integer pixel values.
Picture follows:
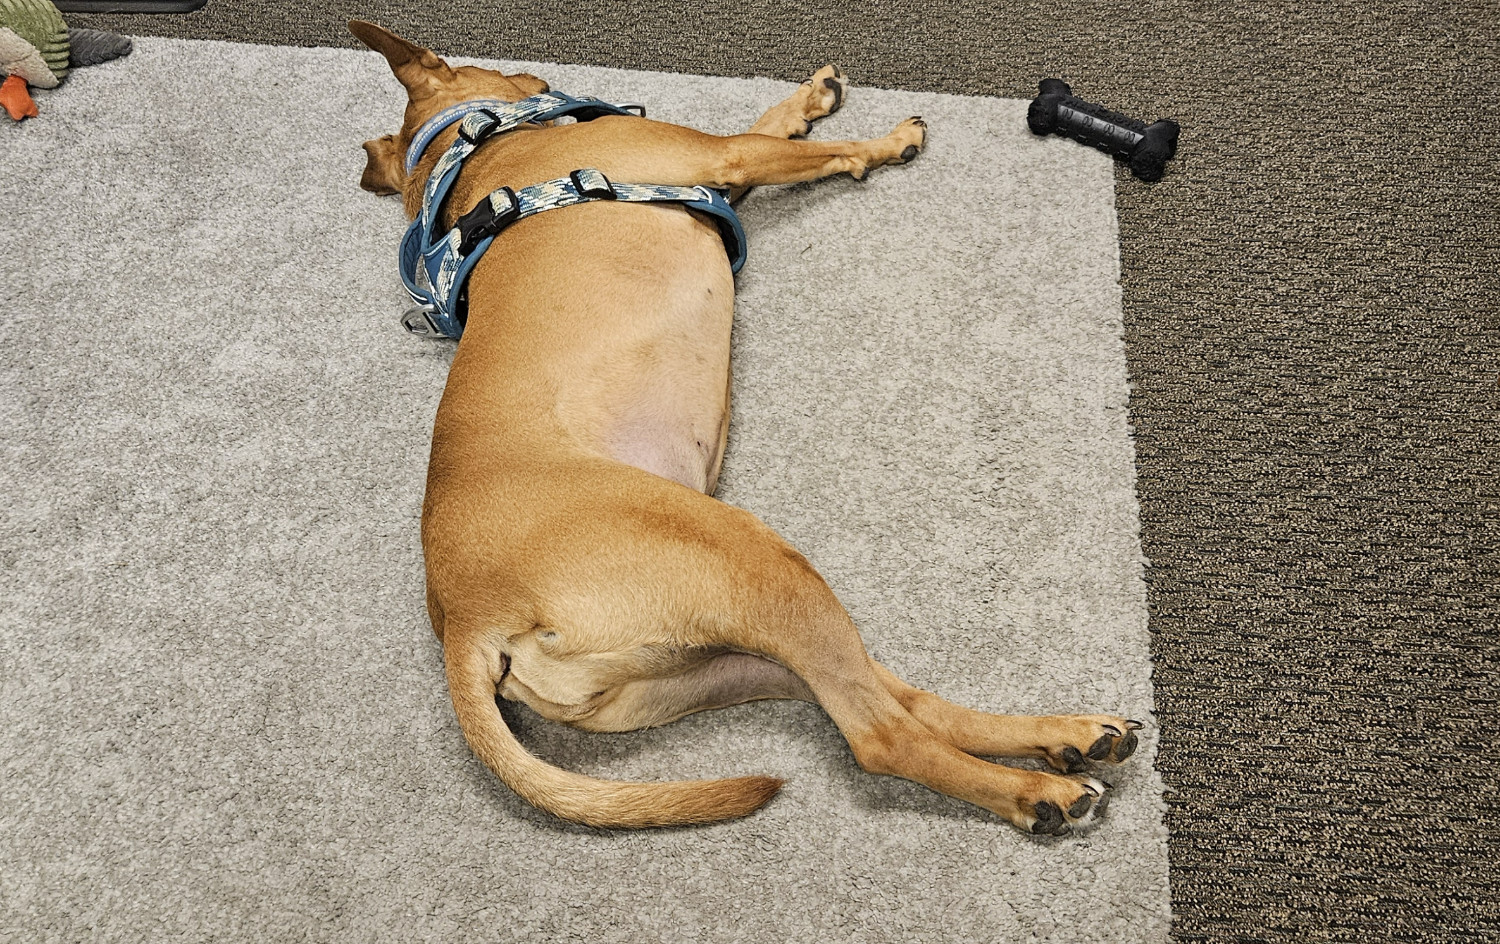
(575, 559)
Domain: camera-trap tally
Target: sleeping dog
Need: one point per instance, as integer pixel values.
(576, 559)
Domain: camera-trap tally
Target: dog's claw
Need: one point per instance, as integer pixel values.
(1134, 725)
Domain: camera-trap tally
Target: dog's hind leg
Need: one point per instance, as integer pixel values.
(1067, 742)
(778, 607)
(735, 678)
(819, 642)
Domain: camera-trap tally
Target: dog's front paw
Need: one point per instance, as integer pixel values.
(903, 144)
(825, 93)
(1081, 739)
(911, 134)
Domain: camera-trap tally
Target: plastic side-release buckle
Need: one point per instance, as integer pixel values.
(488, 218)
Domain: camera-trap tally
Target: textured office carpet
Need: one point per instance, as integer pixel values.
(224, 713)
(1311, 330)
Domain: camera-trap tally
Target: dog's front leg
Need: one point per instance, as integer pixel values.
(632, 149)
(749, 160)
(818, 97)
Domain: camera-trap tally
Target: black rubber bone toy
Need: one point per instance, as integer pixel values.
(1147, 147)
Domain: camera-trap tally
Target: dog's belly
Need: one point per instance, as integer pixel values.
(685, 449)
(629, 361)
(653, 377)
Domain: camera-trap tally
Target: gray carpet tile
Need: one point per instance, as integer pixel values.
(217, 457)
(1311, 327)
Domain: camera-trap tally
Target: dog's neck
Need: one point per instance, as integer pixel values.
(434, 126)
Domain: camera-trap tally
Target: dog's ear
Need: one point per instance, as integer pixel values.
(419, 69)
(385, 167)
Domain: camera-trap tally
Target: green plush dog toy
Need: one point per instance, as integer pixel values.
(37, 48)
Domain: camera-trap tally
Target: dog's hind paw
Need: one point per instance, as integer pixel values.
(1060, 815)
(1102, 739)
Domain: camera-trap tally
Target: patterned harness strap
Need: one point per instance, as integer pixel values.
(507, 115)
(436, 267)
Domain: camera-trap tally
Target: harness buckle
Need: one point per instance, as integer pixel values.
(592, 184)
(486, 128)
(488, 218)
(419, 321)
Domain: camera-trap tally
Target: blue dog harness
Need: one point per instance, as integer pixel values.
(435, 265)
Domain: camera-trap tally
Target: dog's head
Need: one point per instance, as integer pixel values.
(431, 85)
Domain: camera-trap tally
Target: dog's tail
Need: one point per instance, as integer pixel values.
(582, 799)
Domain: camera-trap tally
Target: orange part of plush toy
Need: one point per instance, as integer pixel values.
(37, 48)
(16, 99)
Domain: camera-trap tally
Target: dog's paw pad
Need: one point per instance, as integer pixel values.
(1081, 739)
(1101, 748)
(825, 92)
(1061, 815)
(1049, 819)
